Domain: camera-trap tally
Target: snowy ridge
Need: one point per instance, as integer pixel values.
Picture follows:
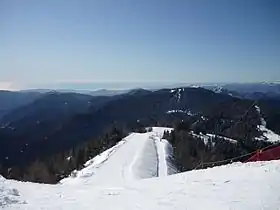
(135, 157)
(209, 137)
(267, 134)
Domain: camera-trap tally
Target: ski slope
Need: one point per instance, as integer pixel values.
(164, 152)
(133, 175)
(137, 156)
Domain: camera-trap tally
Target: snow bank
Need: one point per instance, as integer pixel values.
(165, 158)
(146, 166)
(8, 195)
(166, 164)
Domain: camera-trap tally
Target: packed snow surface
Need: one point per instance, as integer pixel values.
(117, 179)
(165, 153)
(135, 157)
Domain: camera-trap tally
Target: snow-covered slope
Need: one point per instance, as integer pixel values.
(117, 179)
(137, 156)
(267, 134)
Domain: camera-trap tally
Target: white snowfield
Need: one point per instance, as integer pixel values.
(125, 177)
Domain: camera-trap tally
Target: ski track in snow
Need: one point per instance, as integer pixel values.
(135, 157)
(117, 180)
(165, 167)
(162, 168)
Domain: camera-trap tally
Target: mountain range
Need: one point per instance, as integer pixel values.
(35, 124)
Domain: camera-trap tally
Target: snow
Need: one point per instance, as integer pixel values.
(165, 153)
(135, 157)
(205, 138)
(89, 173)
(196, 86)
(8, 195)
(203, 118)
(267, 134)
(178, 92)
(218, 89)
(123, 177)
(180, 111)
(208, 137)
(237, 186)
(263, 122)
(222, 137)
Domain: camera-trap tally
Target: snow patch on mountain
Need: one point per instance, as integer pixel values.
(222, 137)
(180, 111)
(210, 137)
(218, 89)
(178, 93)
(267, 134)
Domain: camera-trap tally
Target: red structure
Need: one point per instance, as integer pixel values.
(270, 154)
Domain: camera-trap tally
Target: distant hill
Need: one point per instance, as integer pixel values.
(254, 91)
(10, 100)
(99, 92)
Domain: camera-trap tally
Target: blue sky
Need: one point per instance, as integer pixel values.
(183, 41)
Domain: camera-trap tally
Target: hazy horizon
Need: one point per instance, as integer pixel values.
(87, 86)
